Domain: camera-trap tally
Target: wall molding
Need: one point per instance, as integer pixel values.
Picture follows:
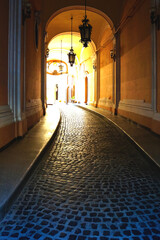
(14, 58)
(136, 106)
(106, 102)
(33, 106)
(6, 116)
(156, 116)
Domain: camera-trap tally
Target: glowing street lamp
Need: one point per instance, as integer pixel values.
(71, 54)
(85, 30)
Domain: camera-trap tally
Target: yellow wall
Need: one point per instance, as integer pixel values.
(8, 133)
(136, 56)
(4, 52)
(33, 58)
(136, 63)
(106, 72)
(87, 55)
(89, 67)
(33, 71)
(158, 71)
(33, 62)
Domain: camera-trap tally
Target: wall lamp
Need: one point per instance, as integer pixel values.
(113, 54)
(155, 17)
(94, 66)
(47, 53)
(26, 12)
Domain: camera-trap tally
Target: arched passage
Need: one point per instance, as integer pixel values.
(89, 60)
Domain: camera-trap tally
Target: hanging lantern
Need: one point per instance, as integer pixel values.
(71, 54)
(60, 68)
(61, 65)
(85, 30)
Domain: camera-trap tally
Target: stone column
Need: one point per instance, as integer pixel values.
(98, 78)
(117, 72)
(43, 73)
(14, 46)
(154, 53)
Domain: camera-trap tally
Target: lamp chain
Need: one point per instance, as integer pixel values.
(71, 31)
(85, 10)
(61, 51)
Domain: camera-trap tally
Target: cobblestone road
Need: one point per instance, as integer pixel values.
(93, 185)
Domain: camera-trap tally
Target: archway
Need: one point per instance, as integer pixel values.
(88, 61)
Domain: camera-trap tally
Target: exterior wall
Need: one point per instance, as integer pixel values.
(136, 56)
(106, 77)
(22, 108)
(158, 71)
(106, 72)
(90, 76)
(136, 66)
(4, 52)
(7, 132)
(86, 60)
(33, 68)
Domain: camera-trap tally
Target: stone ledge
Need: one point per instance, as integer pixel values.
(136, 106)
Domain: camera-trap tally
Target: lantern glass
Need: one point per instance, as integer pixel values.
(85, 31)
(71, 54)
(71, 57)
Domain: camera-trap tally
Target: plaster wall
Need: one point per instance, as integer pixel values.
(106, 72)
(33, 68)
(22, 69)
(136, 67)
(33, 57)
(135, 50)
(87, 57)
(90, 75)
(4, 52)
(7, 134)
(158, 71)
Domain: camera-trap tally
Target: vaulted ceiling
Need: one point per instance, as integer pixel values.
(61, 24)
(111, 8)
(103, 15)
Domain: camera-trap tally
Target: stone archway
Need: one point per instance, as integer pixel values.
(54, 27)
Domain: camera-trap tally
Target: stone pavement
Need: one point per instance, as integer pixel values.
(92, 184)
(17, 160)
(146, 140)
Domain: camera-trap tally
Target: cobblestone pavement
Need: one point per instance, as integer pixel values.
(93, 185)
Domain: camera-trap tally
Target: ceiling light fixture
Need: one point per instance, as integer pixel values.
(71, 54)
(85, 30)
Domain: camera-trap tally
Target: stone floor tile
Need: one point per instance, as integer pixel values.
(92, 184)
